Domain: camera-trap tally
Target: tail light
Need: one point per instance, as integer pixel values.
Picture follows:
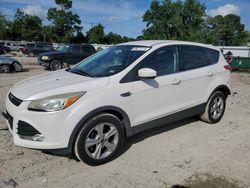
(228, 67)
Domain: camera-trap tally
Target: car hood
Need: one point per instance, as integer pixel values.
(6, 59)
(60, 82)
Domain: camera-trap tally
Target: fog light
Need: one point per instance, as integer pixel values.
(36, 138)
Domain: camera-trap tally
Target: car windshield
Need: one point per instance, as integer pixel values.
(109, 61)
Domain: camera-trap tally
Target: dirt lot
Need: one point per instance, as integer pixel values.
(189, 153)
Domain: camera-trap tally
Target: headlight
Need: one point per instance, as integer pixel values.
(55, 103)
(45, 58)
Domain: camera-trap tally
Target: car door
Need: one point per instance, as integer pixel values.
(74, 54)
(87, 51)
(196, 74)
(158, 97)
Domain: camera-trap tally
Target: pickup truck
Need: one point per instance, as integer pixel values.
(66, 54)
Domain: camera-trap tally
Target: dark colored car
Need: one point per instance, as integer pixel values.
(67, 54)
(9, 64)
(4, 49)
(34, 49)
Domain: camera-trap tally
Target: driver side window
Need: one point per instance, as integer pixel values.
(163, 61)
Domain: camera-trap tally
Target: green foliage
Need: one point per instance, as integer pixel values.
(3, 26)
(178, 20)
(96, 34)
(24, 27)
(64, 22)
(227, 30)
(112, 38)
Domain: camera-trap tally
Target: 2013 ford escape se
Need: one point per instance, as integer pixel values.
(91, 108)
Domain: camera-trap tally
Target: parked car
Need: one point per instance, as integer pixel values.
(66, 54)
(21, 47)
(9, 64)
(12, 45)
(91, 108)
(4, 49)
(34, 49)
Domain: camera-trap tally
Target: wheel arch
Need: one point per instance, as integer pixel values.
(116, 111)
(223, 88)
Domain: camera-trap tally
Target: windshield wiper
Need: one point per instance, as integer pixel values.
(81, 72)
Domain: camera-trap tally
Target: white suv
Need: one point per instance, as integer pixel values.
(91, 108)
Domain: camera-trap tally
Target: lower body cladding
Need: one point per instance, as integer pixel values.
(39, 130)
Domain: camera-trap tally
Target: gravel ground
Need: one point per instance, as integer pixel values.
(189, 153)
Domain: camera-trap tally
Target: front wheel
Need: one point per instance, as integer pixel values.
(56, 65)
(215, 108)
(99, 140)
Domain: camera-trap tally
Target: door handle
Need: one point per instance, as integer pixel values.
(176, 82)
(210, 74)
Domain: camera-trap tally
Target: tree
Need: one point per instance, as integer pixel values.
(96, 34)
(112, 38)
(64, 22)
(227, 30)
(24, 27)
(180, 20)
(3, 26)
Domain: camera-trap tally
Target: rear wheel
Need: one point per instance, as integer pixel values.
(56, 65)
(31, 54)
(99, 140)
(215, 108)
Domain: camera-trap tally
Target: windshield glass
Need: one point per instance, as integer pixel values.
(109, 61)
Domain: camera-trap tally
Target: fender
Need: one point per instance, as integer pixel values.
(125, 122)
(224, 88)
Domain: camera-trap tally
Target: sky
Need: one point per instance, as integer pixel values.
(123, 17)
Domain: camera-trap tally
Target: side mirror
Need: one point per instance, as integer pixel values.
(147, 73)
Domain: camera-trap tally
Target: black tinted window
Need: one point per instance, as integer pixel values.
(75, 49)
(162, 60)
(30, 45)
(87, 49)
(39, 46)
(194, 57)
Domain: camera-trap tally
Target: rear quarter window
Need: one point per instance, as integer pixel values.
(193, 57)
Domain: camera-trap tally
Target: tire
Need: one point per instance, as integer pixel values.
(99, 139)
(6, 68)
(31, 54)
(215, 108)
(56, 65)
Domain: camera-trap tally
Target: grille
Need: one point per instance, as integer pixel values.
(26, 129)
(16, 101)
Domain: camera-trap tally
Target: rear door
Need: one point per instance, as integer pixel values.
(197, 73)
(87, 51)
(74, 54)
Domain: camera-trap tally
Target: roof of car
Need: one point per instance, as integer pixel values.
(150, 43)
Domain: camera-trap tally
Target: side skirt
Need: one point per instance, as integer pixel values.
(167, 119)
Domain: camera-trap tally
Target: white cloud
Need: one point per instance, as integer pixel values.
(224, 10)
(113, 19)
(36, 10)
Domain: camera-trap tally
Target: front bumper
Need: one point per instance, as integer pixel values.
(54, 128)
(43, 63)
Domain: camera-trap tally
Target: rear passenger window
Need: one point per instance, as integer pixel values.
(195, 57)
(163, 61)
(40, 46)
(76, 49)
(87, 49)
